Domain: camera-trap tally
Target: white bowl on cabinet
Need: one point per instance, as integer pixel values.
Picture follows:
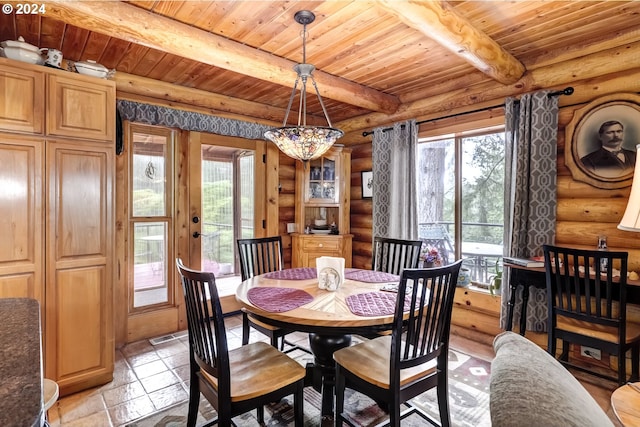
(91, 68)
(21, 54)
(20, 50)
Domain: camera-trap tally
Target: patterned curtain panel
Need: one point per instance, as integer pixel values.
(187, 120)
(394, 181)
(530, 192)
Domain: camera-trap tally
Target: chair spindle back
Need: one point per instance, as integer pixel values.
(422, 334)
(208, 344)
(259, 256)
(394, 255)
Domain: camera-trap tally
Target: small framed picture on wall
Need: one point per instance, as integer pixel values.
(367, 184)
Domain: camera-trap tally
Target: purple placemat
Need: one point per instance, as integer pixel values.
(278, 300)
(293, 274)
(370, 276)
(374, 303)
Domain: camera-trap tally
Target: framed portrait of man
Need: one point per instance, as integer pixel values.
(601, 139)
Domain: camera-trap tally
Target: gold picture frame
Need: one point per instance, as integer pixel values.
(583, 136)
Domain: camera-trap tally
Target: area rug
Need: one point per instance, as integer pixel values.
(468, 403)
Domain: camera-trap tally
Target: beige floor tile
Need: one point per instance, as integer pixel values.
(99, 419)
(80, 405)
(159, 381)
(131, 410)
(168, 396)
(171, 348)
(144, 358)
(182, 372)
(124, 393)
(177, 360)
(148, 369)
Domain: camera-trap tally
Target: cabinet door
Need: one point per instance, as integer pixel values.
(21, 100)
(79, 106)
(21, 267)
(79, 344)
(322, 179)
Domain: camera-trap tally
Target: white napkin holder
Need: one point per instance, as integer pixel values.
(330, 272)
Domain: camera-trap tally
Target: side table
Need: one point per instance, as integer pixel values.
(625, 402)
(525, 277)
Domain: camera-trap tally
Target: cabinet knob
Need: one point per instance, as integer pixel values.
(320, 245)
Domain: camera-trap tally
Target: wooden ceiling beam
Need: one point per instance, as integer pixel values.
(438, 21)
(136, 25)
(550, 76)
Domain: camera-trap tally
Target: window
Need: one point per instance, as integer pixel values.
(460, 198)
(151, 224)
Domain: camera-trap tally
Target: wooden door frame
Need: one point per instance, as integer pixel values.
(188, 201)
(132, 327)
(187, 180)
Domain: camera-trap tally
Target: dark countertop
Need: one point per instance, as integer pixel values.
(20, 363)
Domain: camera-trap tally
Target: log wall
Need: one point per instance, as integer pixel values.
(584, 212)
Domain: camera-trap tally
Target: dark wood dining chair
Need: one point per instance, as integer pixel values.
(233, 381)
(588, 306)
(259, 256)
(414, 358)
(394, 255)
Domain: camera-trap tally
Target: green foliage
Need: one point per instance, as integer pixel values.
(496, 279)
(483, 189)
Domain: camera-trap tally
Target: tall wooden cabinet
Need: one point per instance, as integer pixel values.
(323, 193)
(57, 213)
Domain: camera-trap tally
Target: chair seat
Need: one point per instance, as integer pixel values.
(268, 371)
(375, 370)
(262, 324)
(600, 332)
(51, 392)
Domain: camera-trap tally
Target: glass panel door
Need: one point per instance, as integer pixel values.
(227, 206)
(150, 220)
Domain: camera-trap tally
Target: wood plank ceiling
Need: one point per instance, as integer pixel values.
(376, 60)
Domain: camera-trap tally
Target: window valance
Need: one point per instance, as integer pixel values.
(189, 120)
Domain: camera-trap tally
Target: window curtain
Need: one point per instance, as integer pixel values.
(189, 120)
(530, 192)
(394, 181)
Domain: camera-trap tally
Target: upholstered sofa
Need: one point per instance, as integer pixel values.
(530, 388)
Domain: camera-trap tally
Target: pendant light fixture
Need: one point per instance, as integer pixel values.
(303, 142)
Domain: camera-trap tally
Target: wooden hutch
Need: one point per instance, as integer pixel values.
(322, 193)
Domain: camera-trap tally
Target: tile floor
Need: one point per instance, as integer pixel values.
(147, 378)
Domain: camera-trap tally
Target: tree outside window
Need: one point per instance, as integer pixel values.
(480, 182)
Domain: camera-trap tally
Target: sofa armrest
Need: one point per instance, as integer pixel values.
(530, 388)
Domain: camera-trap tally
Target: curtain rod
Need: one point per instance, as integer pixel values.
(565, 91)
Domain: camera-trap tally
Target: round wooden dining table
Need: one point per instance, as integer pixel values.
(326, 316)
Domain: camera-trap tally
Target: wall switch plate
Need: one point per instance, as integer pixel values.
(291, 227)
(593, 353)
